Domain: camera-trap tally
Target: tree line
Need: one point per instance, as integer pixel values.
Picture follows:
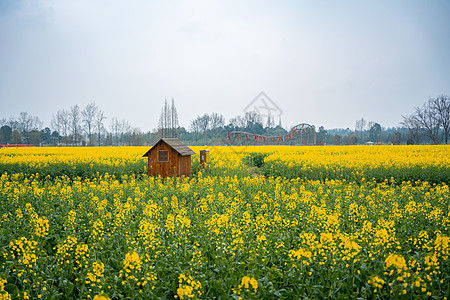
(428, 124)
(74, 126)
(88, 126)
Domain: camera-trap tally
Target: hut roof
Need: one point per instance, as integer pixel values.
(176, 144)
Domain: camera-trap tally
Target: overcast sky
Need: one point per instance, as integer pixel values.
(322, 62)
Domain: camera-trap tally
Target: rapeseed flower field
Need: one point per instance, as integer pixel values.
(306, 222)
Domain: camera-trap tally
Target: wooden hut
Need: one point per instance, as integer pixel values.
(169, 157)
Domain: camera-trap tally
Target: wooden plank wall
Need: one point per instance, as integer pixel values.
(184, 166)
(164, 169)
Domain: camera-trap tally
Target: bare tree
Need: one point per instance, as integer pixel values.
(396, 138)
(252, 117)
(168, 120)
(119, 130)
(195, 125)
(440, 108)
(163, 123)
(114, 127)
(414, 129)
(238, 122)
(37, 123)
(56, 125)
(174, 119)
(135, 137)
(217, 121)
(63, 117)
(428, 122)
(26, 123)
(100, 117)
(359, 126)
(201, 123)
(88, 115)
(124, 130)
(13, 123)
(75, 123)
(60, 122)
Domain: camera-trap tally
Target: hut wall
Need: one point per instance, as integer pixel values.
(164, 169)
(184, 164)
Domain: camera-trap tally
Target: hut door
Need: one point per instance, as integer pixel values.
(163, 163)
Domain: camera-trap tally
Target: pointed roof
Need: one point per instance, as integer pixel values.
(176, 144)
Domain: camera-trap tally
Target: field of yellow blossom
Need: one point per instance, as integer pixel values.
(352, 163)
(254, 224)
(356, 163)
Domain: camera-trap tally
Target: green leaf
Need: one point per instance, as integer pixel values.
(12, 289)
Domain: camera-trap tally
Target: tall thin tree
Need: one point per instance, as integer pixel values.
(426, 119)
(88, 115)
(168, 120)
(440, 106)
(100, 117)
(75, 123)
(174, 119)
(360, 125)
